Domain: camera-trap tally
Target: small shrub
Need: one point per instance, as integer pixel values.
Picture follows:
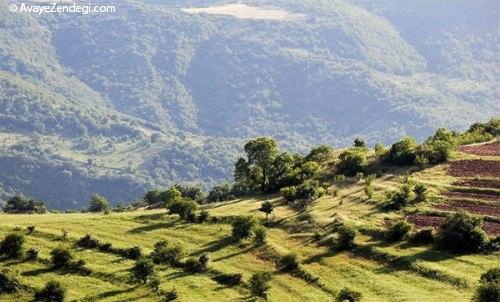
(106, 247)
(352, 161)
(98, 204)
(487, 292)
(52, 292)
(492, 275)
(421, 192)
(243, 226)
(190, 217)
(259, 283)
(32, 254)
(228, 279)
(12, 246)
(489, 286)
(203, 216)
(423, 236)
(60, 257)
(350, 295)
(154, 283)
(164, 254)
(345, 239)
(182, 207)
(193, 265)
(171, 295)
(398, 200)
(134, 252)
(87, 242)
(143, 269)
(398, 231)
(31, 229)
(260, 235)
(288, 263)
(8, 283)
(267, 208)
(462, 232)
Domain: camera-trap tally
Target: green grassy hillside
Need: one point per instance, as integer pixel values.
(380, 270)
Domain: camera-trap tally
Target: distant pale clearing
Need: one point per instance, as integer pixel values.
(243, 11)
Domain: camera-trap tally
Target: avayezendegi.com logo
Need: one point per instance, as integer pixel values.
(60, 8)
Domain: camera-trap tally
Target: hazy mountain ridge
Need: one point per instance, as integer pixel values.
(175, 93)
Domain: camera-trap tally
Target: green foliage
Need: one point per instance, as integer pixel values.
(402, 152)
(98, 203)
(53, 291)
(219, 193)
(303, 195)
(422, 236)
(421, 192)
(380, 150)
(193, 265)
(203, 216)
(489, 286)
(20, 204)
(350, 295)
(243, 226)
(8, 283)
(12, 246)
(171, 295)
(352, 161)
(359, 143)
(261, 153)
(345, 238)
(462, 232)
(320, 154)
(191, 192)
(399, 199)
(260, 233)
(32, 254)
(267, 208)
(288, 263)
(61, 257)
(182, 207)
(368, 187)
(259, 283)
(228, 279)
(143, 269)
(164, 254)
(398, 231)
(88, 242)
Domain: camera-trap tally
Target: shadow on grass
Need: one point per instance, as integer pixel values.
(153, 216)
(243, 251)
(215, 246)
(152, 227)
(109, 294)
(38, 271)
(320, 256)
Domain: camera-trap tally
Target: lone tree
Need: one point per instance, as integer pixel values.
(143, 269)
(98, 203)
(261, 153)
(267, 208)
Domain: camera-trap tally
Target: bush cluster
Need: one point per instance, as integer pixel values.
(228, 279)
(12, 246)
(462, 232)
(163, 253)
(8, 283)
(489, 286)
(259, 283)
(398, 231)
(53, 292)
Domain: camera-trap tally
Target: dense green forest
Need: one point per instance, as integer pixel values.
(151, 96)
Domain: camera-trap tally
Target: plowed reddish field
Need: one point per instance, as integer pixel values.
(478, 183)
(491, 149)
(471, 168)
(420, 221)
(482, 209)
(481, 196)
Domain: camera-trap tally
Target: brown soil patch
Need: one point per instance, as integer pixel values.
(420, 221)
(472, 168)
(490, 149)
(468, 195)
(482, 209)
(478, 183)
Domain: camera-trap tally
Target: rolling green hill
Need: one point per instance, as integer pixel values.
(156, 94)
(380, 269)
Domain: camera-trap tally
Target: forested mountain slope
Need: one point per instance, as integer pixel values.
(155, 93)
